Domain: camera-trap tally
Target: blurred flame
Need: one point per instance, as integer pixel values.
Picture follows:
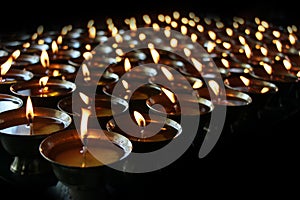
(86, 72)
(43, 81)
(147, 19)
(173, 42)
(197, 64)
(92, 32)
(278, 45)
(264, 90)
(214, 86)
(247, 51)
(127, 65)
(54, 47)
(155, 55)
(287, 64)
(292, 38)
(139, 119)
(16, 54)
(264, 51)
(197, 84)
(212, 35)
(268, 68)
(84, 98)
(169, 94)
(45, 59)
(245, 80)
(167, 73)
(225, 62)
(6, 66)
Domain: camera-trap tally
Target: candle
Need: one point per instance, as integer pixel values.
(88, 169)
(44, 91)
(102, 104)
(9, 102)
(23, 129)
(146, 134)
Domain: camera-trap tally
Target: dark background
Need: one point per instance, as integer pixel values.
(27, 15)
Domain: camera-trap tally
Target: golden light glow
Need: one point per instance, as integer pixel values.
(85, 72)
(264, 51)
(212, 35)
(264, 90)
(242, 40)
(226, 45)
(268, 68)
(29, 110)
(92, 32)
(16, 54)
(210, 46)
(155, 55)
(140, 120)
(245, 80)
(85, 114)
(54, 47)
(167, 73)
(278, 45)
(125, 84)
(147, 19)
(183, 30)
(292, 38)
(276, 34)
(229, 32)
(287, 64)
(214, 86)
(173, 42)
(187, 52)
(127, 65)
(259, 35)
(225, 62)
(197, 64)
(197, 84)
(84, 98)
(194, 37)
(248, 51)
(6, 66)
(43, 81)
(169, 94)
(45, 59)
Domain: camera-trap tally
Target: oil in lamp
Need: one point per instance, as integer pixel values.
(21, 131)
(81, 158)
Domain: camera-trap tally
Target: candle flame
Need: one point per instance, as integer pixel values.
(173, 42)
(155, 55)
(92, 32)
(45, 59)
(197, 84)
(259, 35)
(6, 66)
(197, 64)
(245, 80)
(54, 47)
(29, 110)
(84, 98)
(268, 68)
(212, 35)
(264, 90)
(225, 62)
(169, 94)
(264, 51)
(210, 46)
(139, 119)
(167, 73)
(214, 86)
(127, 65)
(85, 72)
(278, 45)
(147, 19)
(16, 54)
(287, 64)
(43, 81)
(292, 38)
(247, 51)
(84, 122)
(242, 40)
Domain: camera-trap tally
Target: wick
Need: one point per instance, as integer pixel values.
(30, 124)
(83, 151)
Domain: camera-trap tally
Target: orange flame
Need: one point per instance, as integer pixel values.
(167, 73)
(245, 80)
(127, 65)
(139, 119)
(169, 94)
(29, 110)
(54, 47)
(6, 66)
(45, 59)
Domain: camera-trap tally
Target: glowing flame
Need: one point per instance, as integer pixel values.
(54, 47)
(225, 62)
(197, 64)
(292, 38)
(187, 52)
(127, 65)
(45, 59)
(84, 122)
(169, 94)
(55, 73)
(247, 51)
(210, 46)
(29, 110)
(6, 66)
(167, 73)
(226, 45)
(85, 72)
(147, 19)
(194, 37)
(264, 90)
(264, 51)
(214, 86)
(92, 32)
(268, 68)
(197, 84)
(173, 42)
(287, 64)
(278, 45)
(16, 54)
(212, 35)
(259, 35)
(43, 81)
(184, 30)
(87, 55)
(229, 32)
(84, 98)
(242, 40)
(245, 80)
(276, 33)
(155, 55)
(140, 120)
